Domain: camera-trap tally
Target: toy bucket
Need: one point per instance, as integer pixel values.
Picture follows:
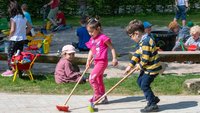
(192, 48)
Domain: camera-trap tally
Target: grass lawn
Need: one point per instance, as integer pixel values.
(156, 19)
(44, 84)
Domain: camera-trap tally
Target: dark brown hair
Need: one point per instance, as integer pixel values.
(84, 19)
(134, 25)
(14, 8)
(94, 23)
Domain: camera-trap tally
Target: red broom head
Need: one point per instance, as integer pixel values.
(62, 108)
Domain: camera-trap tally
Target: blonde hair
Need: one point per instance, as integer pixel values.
(194, 30)
(172, 25)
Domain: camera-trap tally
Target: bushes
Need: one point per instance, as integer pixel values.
(102, 7)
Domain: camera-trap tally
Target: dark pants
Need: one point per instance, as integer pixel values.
(181, 13)
(144, 81)
(12, 49)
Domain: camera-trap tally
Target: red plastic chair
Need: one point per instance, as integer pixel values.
(18, 64)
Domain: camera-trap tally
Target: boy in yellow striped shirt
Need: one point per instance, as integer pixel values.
(146, 60)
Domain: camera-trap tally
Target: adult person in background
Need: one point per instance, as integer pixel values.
(181, 9)
(54, 4)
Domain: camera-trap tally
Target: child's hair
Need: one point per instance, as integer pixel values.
(14, 9)
(195, 29)
(135, 25)
(172, 25)
(84, 19)
(94, 23)
(24, 7)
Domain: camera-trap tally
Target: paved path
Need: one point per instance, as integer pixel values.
(23, 103)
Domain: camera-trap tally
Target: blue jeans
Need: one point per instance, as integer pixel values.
(181, 13)
(144, 81)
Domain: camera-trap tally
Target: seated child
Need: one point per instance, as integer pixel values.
(66, 71)
(60, 21)
(147, 27)
(182, 34)
(194, 39)
(83, 35)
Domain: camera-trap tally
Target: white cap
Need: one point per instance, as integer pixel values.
(68, 49)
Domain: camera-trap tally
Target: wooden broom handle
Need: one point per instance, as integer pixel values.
(78, 82)
(115, 86)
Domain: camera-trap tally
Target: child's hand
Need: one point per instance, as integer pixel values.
(137, 67)
(88, 64)
(114, 62)
(127, 70)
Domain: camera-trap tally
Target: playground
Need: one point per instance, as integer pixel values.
(135, 43)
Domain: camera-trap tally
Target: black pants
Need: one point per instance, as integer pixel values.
(12, 49)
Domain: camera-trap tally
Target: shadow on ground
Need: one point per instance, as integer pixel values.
(179, 105)
(127, 99)
(35, 77)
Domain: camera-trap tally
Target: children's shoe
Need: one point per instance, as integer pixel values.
(104, 101)
(93, 99)
(7, 73)
(156, 100)
(151, 108)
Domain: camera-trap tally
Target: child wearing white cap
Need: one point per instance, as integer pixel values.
(66, 71)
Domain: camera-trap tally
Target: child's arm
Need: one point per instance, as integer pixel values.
(48, 3)
(134, 60)
(89, 59)
(12, 28)
(186, 3)
(114, 61)
(29, 27)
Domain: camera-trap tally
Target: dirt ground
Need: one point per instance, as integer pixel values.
(122, 44)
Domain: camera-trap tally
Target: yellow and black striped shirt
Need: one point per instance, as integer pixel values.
(147, 56)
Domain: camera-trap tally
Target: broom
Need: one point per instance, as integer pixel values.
(91, 107)
(65, 107)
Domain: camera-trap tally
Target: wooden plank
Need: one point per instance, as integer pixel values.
(80, 59)
(180, 56)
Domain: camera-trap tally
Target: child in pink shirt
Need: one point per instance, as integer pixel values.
(98, 45)
(65, 71)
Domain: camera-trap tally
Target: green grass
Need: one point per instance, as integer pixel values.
(156, 19)
(163, 85)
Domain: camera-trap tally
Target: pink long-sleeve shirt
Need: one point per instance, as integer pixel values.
(66, 72)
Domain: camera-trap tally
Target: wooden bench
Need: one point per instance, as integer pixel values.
(80, 59)
(180, 56)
